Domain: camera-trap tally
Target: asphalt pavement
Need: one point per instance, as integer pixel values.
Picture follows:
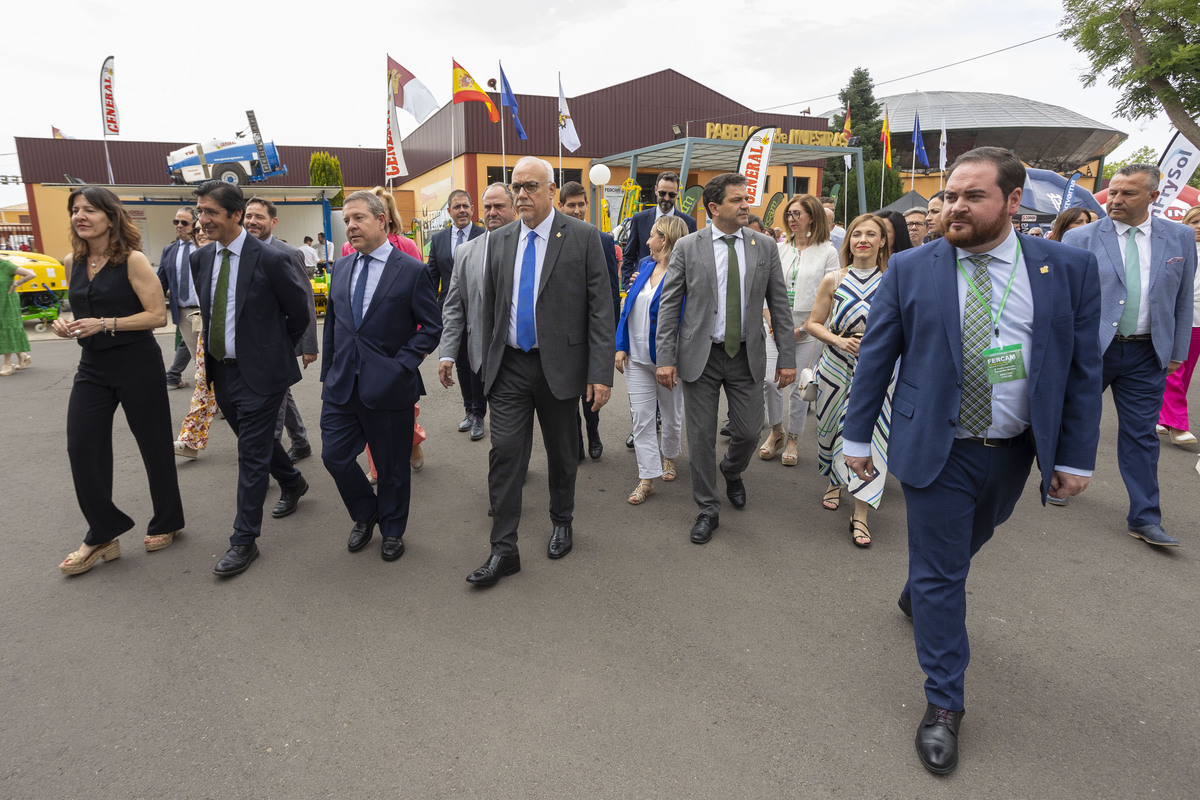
(772, 662)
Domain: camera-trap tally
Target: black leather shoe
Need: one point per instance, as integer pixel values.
(495, 568)
(297, 453)
(237, 559)
(905, 604)
(937, 739)
(629, 441)
(595, 448)
(725, 431)
(735, 490)
(288, 500)
(476, 428)
(465, 425)
(393, 548)
(702, 531)
(560, 541)
(361, 533)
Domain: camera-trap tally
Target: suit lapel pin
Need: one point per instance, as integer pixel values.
(558, 235)
(1044, 270)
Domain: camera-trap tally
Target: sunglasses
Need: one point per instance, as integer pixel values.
(180, 222)
(667, 195)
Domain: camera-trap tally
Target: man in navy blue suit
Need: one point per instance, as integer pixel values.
(666, 189)
(999, 362)
(442, 248)
(255, 309)
(1147, 267)
(573, 200)
(381, 319)
(175, 275)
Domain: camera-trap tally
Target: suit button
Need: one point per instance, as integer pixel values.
(951, 422)
(1114, 324)
(958, 384)
(1120, 302)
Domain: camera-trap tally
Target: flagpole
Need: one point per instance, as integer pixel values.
(912, 175)
(452, 132)
(503, 161)
(560, 173)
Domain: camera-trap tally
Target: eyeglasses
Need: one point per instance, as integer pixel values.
(529, 186)
(916, 225)
(180, 222)
(667, 195)
(793, 214)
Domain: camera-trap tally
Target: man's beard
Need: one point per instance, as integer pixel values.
(977, 234)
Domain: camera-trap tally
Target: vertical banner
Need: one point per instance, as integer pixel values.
(108, 103)
(689, 199)
(756, 154)
(612, 196)
(1069, 194)
(1177, 165)
(394, 166)
(768, 216)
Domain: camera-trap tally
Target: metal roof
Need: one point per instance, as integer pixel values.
(151, 194)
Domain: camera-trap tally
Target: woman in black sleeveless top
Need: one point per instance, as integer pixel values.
(116, 300)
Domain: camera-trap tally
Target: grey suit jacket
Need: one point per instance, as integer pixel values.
(462, 315)
(308, 342)
(576, 332)
(692, 276)
(1172, 271)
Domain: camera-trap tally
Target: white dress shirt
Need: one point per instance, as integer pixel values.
(721, 256)
(1143, 246)
(235, 259)
(310, 255)
(543, 237)
(379, 257)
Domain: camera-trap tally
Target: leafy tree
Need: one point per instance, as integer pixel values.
(1150, 49)
(326, 170)
(1143, 155)
(866, 123)
(847, 201)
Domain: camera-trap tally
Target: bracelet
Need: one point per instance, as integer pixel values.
(104, 325)
(113, 332)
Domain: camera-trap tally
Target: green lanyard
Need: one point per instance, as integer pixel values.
(987, 301)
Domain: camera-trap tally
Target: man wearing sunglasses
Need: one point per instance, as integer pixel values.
(174, 273)
(666, 190)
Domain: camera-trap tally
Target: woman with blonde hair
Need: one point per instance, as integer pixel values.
(807, 256)
(117, 301)
(839, 317)
(635, 358)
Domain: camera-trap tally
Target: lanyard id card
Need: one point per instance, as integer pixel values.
(1004, 364)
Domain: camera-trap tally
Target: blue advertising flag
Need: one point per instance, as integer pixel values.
(919, 141)
(508, 100)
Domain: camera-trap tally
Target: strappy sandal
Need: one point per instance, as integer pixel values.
(860, 533)
(23, 361)
(640, 493)
(832, 498)
(771, 446)
(160, 541)
(668, 469)
(6, 370)
(790, 455)
(77, 564)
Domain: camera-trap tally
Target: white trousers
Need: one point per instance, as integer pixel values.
(645, 395)
(774, 397)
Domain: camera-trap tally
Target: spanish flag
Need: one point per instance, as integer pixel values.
(846, 124)
(466, 90)
(885, 136)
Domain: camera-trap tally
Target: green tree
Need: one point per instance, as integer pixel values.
(1143, 155)
(326, 170)
(1151, 51)
(866, 123)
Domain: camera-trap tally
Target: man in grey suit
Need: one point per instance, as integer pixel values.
(548, 311)
(723, 272)
(462, 314)
(261, 219)
(1147, 267)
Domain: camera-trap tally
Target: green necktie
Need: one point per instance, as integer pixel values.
(216, 328)
(1133, 286)
(733, 301)
(975, 410)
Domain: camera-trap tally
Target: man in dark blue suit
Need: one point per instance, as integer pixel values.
(666, 189)
(573, 200)
(381, 319)
(175, 275)
(999, 362)
(255, 310)
(441, 267)
(1147, 267)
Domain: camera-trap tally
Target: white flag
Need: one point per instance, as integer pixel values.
(942, 147)
(566, 125)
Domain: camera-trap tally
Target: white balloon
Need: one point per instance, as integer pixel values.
(599, 174)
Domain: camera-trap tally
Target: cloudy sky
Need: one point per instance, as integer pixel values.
(317, 77)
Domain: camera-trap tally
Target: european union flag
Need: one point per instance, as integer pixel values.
(919, 142)
(508, 100)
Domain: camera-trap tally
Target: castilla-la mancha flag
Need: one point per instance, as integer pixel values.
(108, 104)
(467, 90)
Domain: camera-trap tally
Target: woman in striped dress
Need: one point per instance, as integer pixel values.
(839, 317)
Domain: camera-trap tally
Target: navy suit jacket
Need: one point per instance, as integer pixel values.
(1170, 295)
(308, 342)
(402, 324)
(614, 275)
(441, 258)
(278, 301)
(639, 231)
(169, 277)
(915, 317)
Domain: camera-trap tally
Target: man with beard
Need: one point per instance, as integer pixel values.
(666, 189)
(999, 362)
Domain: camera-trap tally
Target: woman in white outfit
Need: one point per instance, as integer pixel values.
(807, 256)
(635, 359)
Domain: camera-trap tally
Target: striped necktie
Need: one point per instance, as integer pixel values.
(975, 412)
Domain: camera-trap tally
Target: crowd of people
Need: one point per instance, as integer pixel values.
(939, 345)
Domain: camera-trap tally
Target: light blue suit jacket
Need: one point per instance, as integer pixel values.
(1172, 269)
(915, 316)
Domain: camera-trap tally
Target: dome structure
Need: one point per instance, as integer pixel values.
(1042, 135)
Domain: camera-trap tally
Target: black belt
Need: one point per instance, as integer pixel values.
(532, 352)
(230, 361)
(1021, 438)
(1137, 337)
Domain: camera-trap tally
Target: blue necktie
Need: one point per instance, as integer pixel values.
(185, 278)
(526, 296)
(360, 291)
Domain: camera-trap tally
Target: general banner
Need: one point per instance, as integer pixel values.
(756, 155)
